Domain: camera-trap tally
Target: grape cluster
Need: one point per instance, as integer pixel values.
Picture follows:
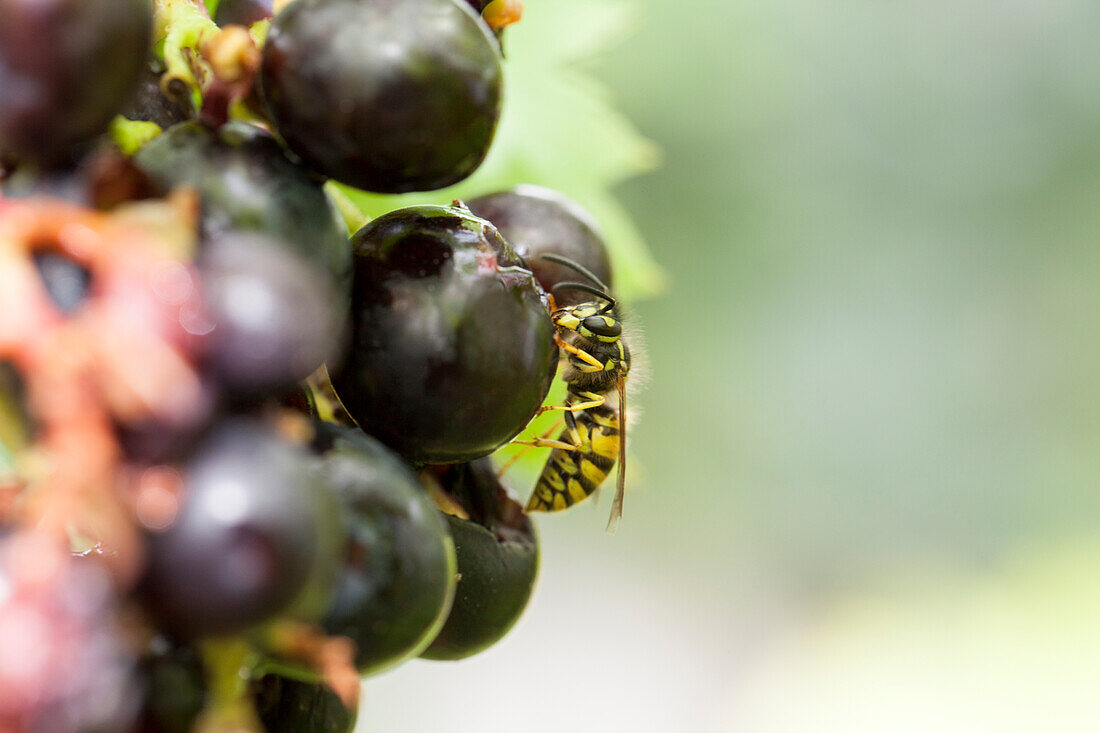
(245, 453)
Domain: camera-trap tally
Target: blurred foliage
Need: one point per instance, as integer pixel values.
(559, 128)
(1016, 649)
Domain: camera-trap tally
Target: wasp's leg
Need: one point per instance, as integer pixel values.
(582, 355)
(596, 401)
(520, 454)
(546, 443)
(577, 433)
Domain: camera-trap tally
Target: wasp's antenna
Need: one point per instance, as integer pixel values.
(577, 268)
(587, 289)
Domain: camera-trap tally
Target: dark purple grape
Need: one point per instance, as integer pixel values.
(386, 96)
(148, 102)
(538, 221)
(244, 543)
(275, 317)
(64, 665)
(498, 560)
(66, 68)
(288, 706)
(452, 348)
(398, 574)
(248, 183)
(242, 12)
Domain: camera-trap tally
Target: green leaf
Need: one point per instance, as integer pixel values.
(560, 129)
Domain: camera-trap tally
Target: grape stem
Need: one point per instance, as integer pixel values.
(213, 67)
(234, 60)
(331, 657)
(229, 666)
(181, 27)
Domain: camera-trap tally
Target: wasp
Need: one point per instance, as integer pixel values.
(594, 436)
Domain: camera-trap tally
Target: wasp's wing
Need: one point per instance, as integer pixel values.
(617, 505)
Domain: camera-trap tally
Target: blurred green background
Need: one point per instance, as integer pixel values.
(864, 486)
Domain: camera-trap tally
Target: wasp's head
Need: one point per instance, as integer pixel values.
(590, 321)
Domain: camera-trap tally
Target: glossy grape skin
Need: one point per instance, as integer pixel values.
(386, 96)
(247, 182)
(243, 545)
(538, 221)
(498, 560)
(66, 68)
(452, 349)
(398, 574)
(149, 104)
(275, 318)
(289, 706)
(242, 12)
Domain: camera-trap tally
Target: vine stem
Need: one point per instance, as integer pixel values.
(229, 663)
(181, 27)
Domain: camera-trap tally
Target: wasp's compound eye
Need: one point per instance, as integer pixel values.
(603, 326)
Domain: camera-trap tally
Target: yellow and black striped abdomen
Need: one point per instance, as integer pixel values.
(571, 475)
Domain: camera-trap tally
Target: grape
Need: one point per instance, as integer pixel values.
(247, 182)
(242, 12)
(538, 221)
(452, 348)
(66, 67)
(64, 666)
(274, 315)
(160, 397)
(243, 545)
(398, 575)
(386, 96)
(148, 103)
(288, 706)
(498, 559)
